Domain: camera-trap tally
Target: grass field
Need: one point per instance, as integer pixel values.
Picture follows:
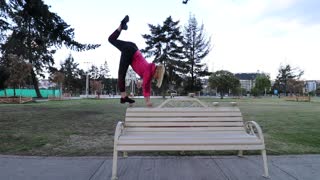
(86, 127)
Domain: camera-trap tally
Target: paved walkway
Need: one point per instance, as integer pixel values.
(302, 167)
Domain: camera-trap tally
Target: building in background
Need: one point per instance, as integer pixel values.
(247, 80)
(310, 86)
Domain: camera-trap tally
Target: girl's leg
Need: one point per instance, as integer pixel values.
(127, 51)
(113, 39)
(123, 68)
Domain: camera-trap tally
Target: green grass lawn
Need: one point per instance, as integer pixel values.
(86, 127)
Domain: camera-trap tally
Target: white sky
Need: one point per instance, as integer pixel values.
(247, 35)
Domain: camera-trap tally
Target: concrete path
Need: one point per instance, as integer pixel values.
(301, 167)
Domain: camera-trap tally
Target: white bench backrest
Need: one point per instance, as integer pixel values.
(202, 118)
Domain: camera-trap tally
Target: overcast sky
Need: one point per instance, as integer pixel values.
(247, 35)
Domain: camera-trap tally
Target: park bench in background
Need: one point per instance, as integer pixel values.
(298, 98)
(15, 100)
(187, 129)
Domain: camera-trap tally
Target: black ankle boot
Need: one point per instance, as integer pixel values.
(124, 22)
(126, 99)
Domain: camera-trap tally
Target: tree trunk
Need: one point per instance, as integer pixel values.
(35, 84)
(221, 95)
(192, 77)
(60, 91)
(14, 91)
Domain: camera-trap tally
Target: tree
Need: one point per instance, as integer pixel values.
(71, 72)
(4, 75)
(105, 77)
(104, 70)
(96, 87)
(295, 86)
(94, 72)
(58, 78)
(164, 44)
(223, 81)
(196, 48)
(36, 33)
(18, 71)
(262, 84)
(4, 25)
(286, 73)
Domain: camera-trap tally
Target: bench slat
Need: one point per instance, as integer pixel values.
(186, 136)
(193, 109)
(182, 124)
(183, 114)
(182, 129)
(162, 119)
(193, 141)
(181, 133)
(189, 148)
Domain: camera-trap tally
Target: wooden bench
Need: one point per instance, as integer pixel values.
(15, 100)
(298, 98)
(187, 129)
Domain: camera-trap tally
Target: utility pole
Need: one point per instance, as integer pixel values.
(87, 80)
(87, 85)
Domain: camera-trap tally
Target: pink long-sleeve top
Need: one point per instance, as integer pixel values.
(145, 70)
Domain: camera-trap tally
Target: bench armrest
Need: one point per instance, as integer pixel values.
(118, 131)
(253, 128)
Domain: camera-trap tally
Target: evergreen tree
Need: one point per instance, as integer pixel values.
(105, 77)
(104, 71)
(94, 72)
(4, 25)
(36, 33)
(71, 74)
(164, 44)
(196, 48)
(286, 73)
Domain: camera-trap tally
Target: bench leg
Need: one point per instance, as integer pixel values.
(240, 153)
(125, 154)
(265, 164)
(114, 165)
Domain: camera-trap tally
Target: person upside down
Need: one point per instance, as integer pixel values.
(130, 55)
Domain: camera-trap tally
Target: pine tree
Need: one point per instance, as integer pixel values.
(36, 33)
(196, 48)
(71, 73)
(285, 74)
(4, 24)
(164, 44)
(104, 70)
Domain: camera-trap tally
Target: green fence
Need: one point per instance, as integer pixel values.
(30, 92)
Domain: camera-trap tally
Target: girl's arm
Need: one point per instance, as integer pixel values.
(148, 101)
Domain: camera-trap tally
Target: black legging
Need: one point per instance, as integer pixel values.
(127, 51)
